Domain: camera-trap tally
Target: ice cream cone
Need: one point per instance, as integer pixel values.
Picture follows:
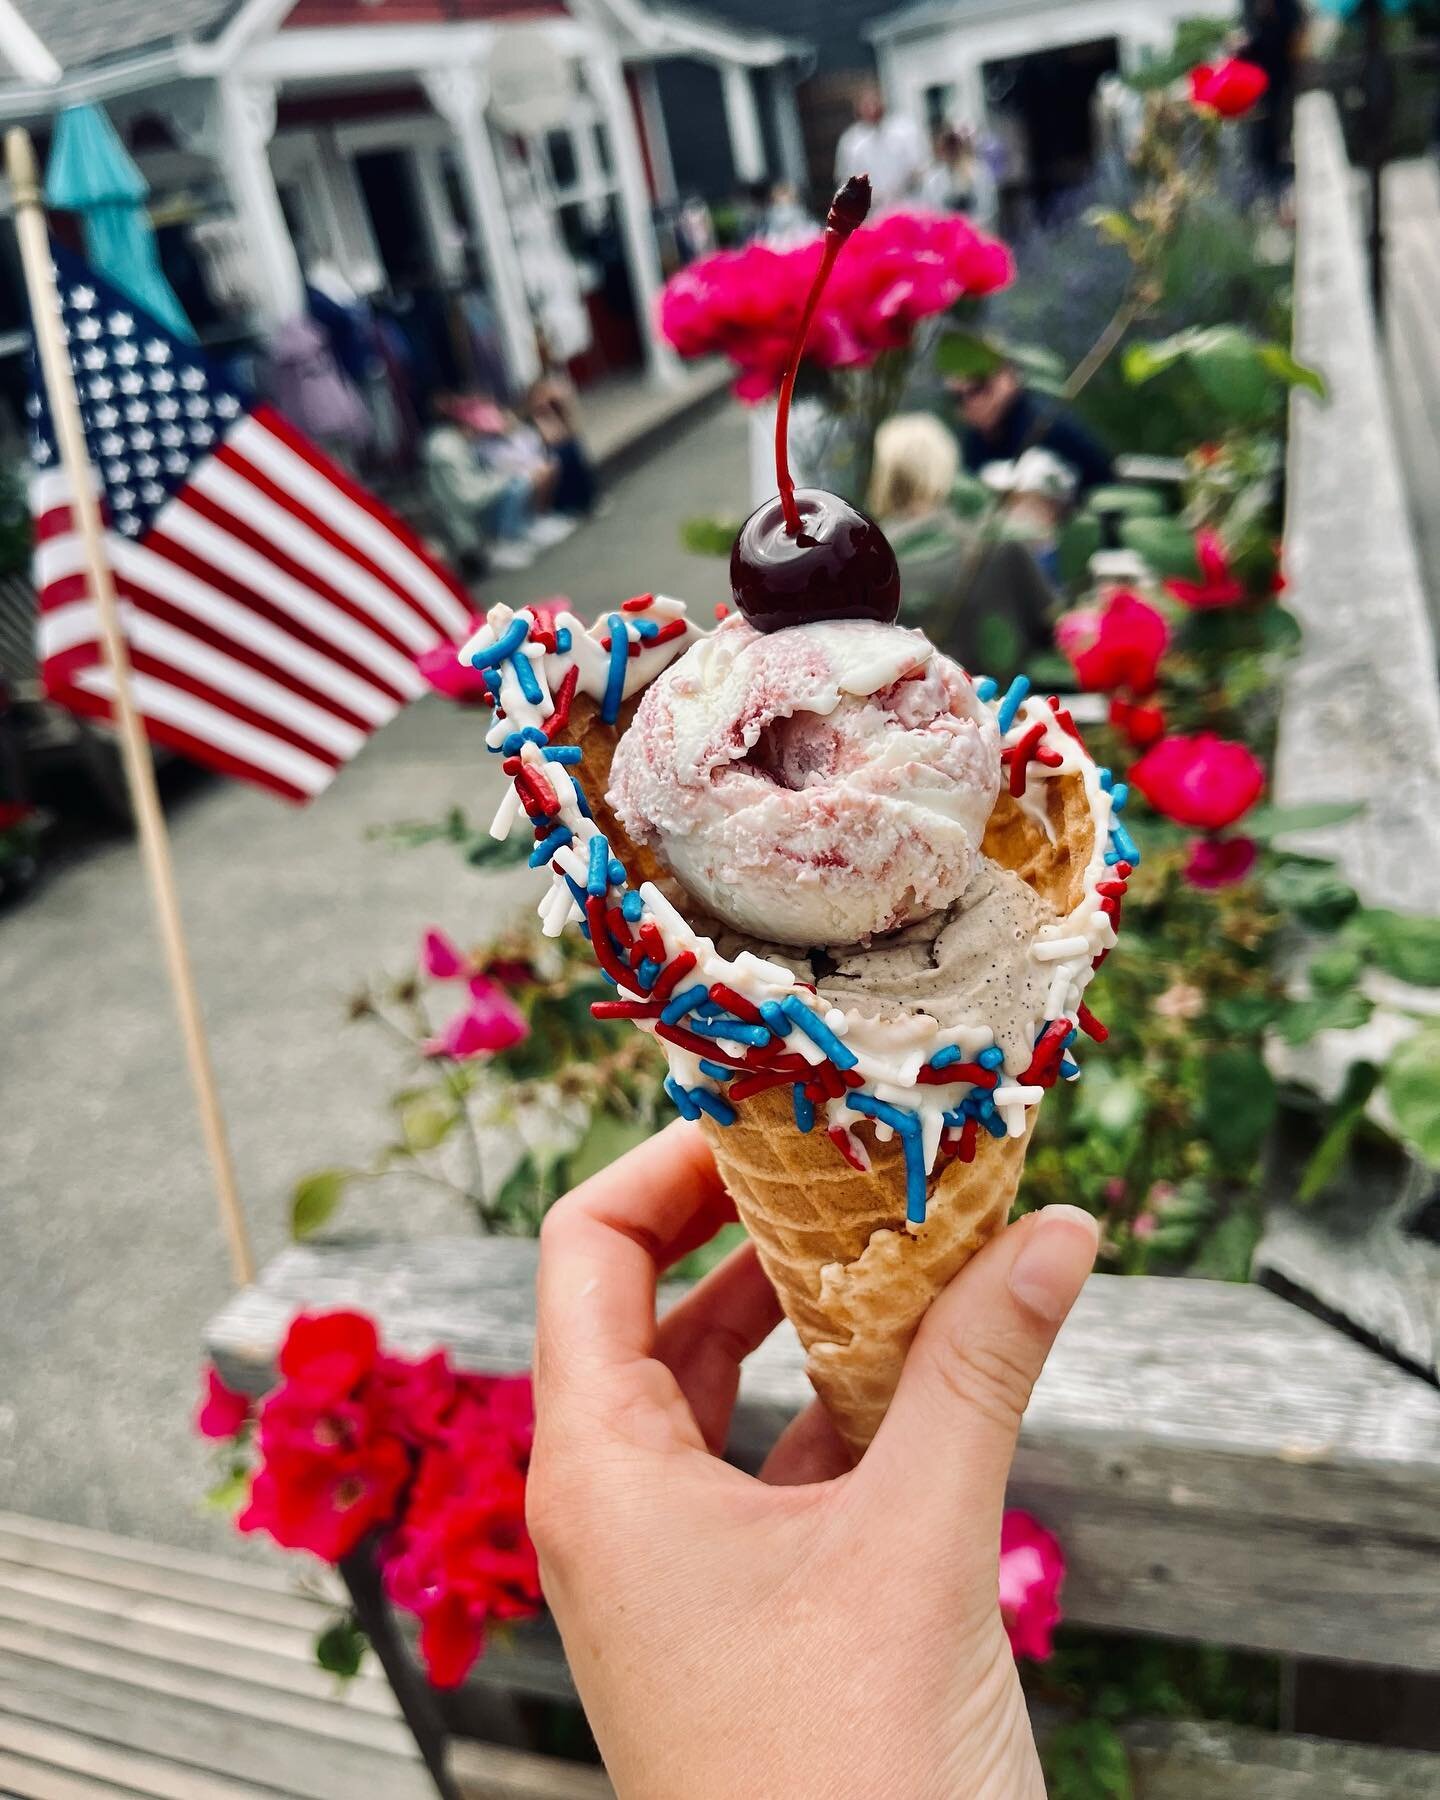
(853, 1278)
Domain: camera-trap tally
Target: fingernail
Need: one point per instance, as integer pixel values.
(1054, 1260)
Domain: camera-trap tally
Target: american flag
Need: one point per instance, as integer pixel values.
(274, 610)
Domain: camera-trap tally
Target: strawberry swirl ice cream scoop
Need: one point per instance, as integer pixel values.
(818, 786)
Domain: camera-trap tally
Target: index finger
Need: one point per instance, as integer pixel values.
(604, 1246)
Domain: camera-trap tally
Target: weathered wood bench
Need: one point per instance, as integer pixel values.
(1218, 1464)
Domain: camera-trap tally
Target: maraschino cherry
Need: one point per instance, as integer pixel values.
(811, 555)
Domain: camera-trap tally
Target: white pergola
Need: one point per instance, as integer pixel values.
(221, 101)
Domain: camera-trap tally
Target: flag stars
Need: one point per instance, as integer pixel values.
(142, 440)
(201, 434)
(157, 351)
(132, 383)
(82, 299)
(162, 381)
(92, 361)
(147, 468)
(198, 407)
(137, 413)
(176, 463)
(126, 355)
(152, 493)
(167, 409)
(119, 324)
(192, 379)
(88, 329)
(131, 525)
(172, 437)
(100, 388)
(122, 499)
(104, 418)
(113, 445)
(117, 471)
(226, 406)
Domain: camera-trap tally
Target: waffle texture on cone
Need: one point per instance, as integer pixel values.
(869, 1156)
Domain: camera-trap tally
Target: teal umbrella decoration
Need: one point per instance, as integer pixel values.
(92, 173)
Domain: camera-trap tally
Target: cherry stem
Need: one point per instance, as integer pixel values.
(847, 210)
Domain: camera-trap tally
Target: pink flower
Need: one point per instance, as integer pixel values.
(1032, 1567)
(327, 1355)
(439, 957)
(1229, 88)
(491, 1022)
(1217, 586)
(1119, 646)
(442, 668)
(223, 1411)
(1204, 781)
(1219, 862)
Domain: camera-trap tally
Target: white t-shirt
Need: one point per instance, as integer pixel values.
(892, 152)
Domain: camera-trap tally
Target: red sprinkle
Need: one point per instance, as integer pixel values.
(674, 629)
(600, 943)
(535, 791)
(651, 942)
(738, 1004)
(1064, 720)
(624, 1009)
(968, 1134)
(1049, 1048)
(965, 1071)
(756, 1084)
(844, 1143)
(564, 694)
(722, 611)
(639, 603)
(670, 976)
(619, 927)
(1123, 870)
(1090, 1025)
(1095, 964)
(753, 1062)
(1021, 754)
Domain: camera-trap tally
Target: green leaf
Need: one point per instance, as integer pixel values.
(1134, 502)
(1229, 1250)
(1165, 544)
(1245, 1015)
(1335, 969)
(1266, 823)
(314, 1201)
(1312, 891)
(610, 1135)
(1237, 1103)
(426, 1119)
(1226, 362)
(340, 1648)
(486, 852)
(1078, 542)
(965, 354)
(1087, 1760)
(1279, 629)
(709, 536)
(1412, 1086)
(1113, 226)
(1405, 945)
(1361, 1080)
(1278, 360)
(1141, 362)
(1038, 361)
(229, 1493)
(1343, 1011)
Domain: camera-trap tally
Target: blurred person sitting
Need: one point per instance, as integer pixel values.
(960, 179)
(1036, 494)
(515, 447)
(984, 602)
(786, 223)
(550, 406)
(483, 515)
(1002, 419)
(888, 147)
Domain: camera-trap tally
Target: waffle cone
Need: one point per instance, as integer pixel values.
(854, 1280)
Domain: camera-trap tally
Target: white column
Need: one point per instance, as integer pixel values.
(607, 79)
(441, 226)
(657, 137)
(359, 254)
(459, 95)
(245, 126)
(794, 163)
(742, 121)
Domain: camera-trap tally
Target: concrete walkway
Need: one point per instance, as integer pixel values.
(110, 1257)
(1412, 345)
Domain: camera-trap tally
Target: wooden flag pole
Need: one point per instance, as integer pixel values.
(33, 233)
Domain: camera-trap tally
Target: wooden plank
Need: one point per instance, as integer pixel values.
(297, 1673)
(106, 1545)
(201, 1738)
(1196, 1761)
(1219, 1463)
(327, 1717)
(485, 1772)
(21, 1779)
(117, 1771)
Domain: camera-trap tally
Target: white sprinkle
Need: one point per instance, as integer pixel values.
(1057, 1001)
(1014, 1117)
(1057, 948)
(1017, 1095)
(506, 814)
(838, 1021)
(931, 1126)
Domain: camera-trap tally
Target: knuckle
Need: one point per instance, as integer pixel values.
(993, 1377)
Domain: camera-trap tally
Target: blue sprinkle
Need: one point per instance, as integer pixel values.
(1124, 846)
(774, 1016)
(579, 892)
(994, 1124)
(708, 1008)
(547, 847)
(506, 645)
(492, 681)
(562, 639)
(684, 1105)
(585, 933)
(682, 1003)
(804, 1107)
(956, 1116)
(717, 1071)
(1107, 780)
(1070, 1037)
(562, 753)
(647, 972)
(942, 1059)
(525, 675)
(632, 906)
(907, 1127)
(617, 871)
(615, 678)
(986, 688)
(1119, 794)
(721, 1111)
(818, 1032)
(598, 881)
(993, 1058)
(985, 1108)
(581, 801)
(530, 735)
(1069, 1068)
(605, 974)
(646, 628)
(1010, 705)
(736, 1031)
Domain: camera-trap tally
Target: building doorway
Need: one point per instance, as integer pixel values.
(1042, 107)
(387, 180)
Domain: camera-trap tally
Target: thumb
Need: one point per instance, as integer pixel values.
(949, 1436)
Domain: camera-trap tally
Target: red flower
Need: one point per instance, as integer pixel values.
(327, 1355)
(1218, 862)
(1204, 781)
(439, 957)
(1229, 88)
(1217, 586)
(1032, 1567)
(1141, 726)
(13, 815)
(442, 668)
(223, 1411)
(1117, 647)
(326, 1503)
(492, 1022)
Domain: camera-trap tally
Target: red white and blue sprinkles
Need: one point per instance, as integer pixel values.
(732, 1028)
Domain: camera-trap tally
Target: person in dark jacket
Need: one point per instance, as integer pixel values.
(1002, 419)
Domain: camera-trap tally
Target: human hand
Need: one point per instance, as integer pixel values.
(819, 1631)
